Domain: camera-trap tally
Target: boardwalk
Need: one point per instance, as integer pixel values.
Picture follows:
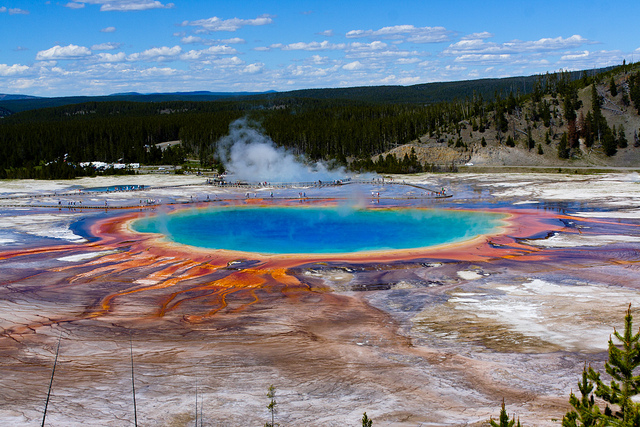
(83, 199)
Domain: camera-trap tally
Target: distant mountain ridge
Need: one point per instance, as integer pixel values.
(19, 103)
(13, 97)
(426, 93)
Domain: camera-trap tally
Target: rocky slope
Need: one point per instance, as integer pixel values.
(466, 147)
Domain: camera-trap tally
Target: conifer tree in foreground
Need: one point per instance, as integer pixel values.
(585, 412)
(366, 421)
(504, 420)
(623, 362)
(620, 409)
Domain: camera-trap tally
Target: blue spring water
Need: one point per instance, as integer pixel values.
(318, 230)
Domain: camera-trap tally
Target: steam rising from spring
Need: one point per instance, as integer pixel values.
(249, 155)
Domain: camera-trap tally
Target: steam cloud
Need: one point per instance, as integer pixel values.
(249, 155)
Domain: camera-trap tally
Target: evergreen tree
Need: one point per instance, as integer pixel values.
(572, 137)
(530, 142)
(585, 412)
(546, 114)
(634, 90)
(622, 137)
(613, 89)
(366, 421)
(595, 100)
(504, 420)
(609, 144)
(271, 394)
(625, 383)
(569, 108)
(588, 131)
(563, 147)
(502, 124)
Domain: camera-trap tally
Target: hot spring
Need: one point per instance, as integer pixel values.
(318, 230)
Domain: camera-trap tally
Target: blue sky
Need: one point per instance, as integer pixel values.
(98, 47)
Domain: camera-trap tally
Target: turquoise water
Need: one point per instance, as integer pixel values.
(318, 230)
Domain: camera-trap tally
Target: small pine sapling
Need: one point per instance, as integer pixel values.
(504, 420)
(366, 421)
(271, 394)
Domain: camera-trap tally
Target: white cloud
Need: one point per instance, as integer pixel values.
(377, 51)
(428, 64)
(409, 80)
(44, 64)
(479, 46)
(233, 61)
(106, 46)
(409, 33)
(353, 66)
(12, 70)
(377, 45)
(74, 5)
(326, 33)
(13, 11)
(200, 40)
(313, 46)
(306, 71)
(572, 56)
(590, 59)
(475, 36)
(319, 60)
(233, 40)
(63, 52)
(163, 53)
(111, 57)
(124, 5)
(154, 71)
(484, 58)
(217, 24)
(405, 61)
(547, 44)
(194, 55)
(108, 30)
(253, 68)
(191, 40)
